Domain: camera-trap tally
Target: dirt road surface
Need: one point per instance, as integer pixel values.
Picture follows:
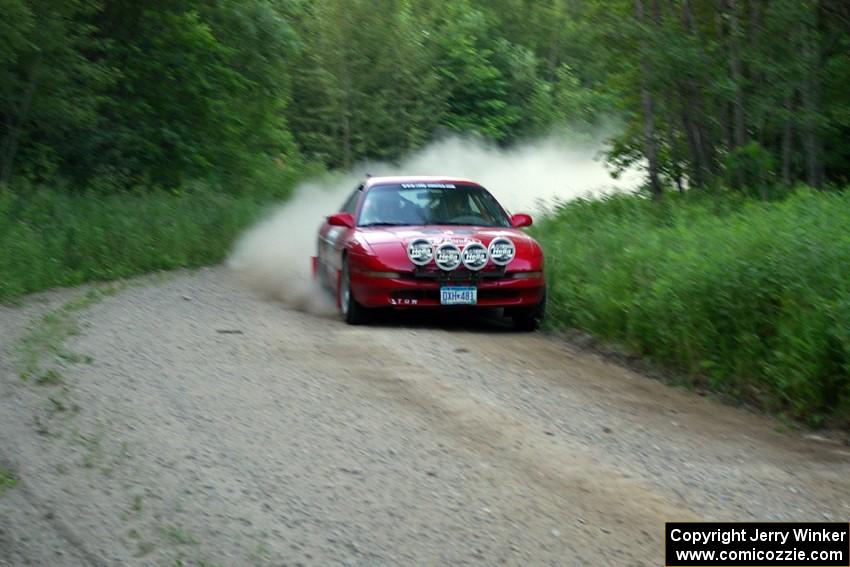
(196, 424)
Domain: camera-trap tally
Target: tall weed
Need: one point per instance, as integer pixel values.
(749, 297)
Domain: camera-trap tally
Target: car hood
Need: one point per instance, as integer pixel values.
(459, 235)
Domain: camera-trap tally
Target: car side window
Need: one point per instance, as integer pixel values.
(351, 203)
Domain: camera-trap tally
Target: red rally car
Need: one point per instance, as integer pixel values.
(429, 242)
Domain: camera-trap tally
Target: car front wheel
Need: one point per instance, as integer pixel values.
(529, 318)
(352, 312)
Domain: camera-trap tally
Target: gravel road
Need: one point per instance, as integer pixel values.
(196, 424)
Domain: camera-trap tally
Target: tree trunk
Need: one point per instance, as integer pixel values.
(346, 140)
(812, 146)
(754, 48)
(675, 163)
(811, 138)
(737, 74)
(554, 44)
(648, 108)
(15, 126)
(787, 141)
(730, 7)
(697, 176)
(692, 113)
(346, 120)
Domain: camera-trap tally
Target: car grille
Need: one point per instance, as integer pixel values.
(459, 275)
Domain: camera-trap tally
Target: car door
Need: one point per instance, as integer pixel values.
(331, 239)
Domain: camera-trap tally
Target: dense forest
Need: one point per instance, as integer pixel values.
(703, 93)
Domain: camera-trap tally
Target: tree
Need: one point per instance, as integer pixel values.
(702, 92)
(202, 87)
(48, 87)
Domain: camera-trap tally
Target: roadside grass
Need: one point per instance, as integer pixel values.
(178, 536)
(144, 548)
(745, 297)
(53, 237)
(93, 445)
(42, 347)
(45, 338)
(7, 481)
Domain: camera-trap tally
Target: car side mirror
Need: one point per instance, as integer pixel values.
(520, 220)
(341, 219)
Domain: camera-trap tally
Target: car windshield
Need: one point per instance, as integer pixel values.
(431, 203)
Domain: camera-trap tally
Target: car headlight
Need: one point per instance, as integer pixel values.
(420, 251)
(502, 251)
(474, 256)
(447, 256)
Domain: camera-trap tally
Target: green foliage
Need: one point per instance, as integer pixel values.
(476, 88)
(378, 80)
(749, 297)
(363, 84)
(7, 481)
(49, 89)
(706, 83)
(201, 91)
(166, 92)
(153, 94)
(750, 166)
(53, 238)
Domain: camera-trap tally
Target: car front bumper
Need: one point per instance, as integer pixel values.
(373, 289)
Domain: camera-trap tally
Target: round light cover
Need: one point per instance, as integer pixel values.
(420, 251)
(474, 256)
(502, 251)
(447, 256)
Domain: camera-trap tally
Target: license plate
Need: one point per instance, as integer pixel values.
(458, 295)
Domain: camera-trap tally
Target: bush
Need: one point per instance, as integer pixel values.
(51, 237)
(748, 297)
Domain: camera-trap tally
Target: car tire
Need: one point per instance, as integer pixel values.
(352, 312)
(528, 319)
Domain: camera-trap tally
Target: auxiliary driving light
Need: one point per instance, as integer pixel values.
(447, 256)
(420, 251)
(502, 251)
(474, 256)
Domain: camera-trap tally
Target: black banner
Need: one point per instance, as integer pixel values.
(757, 544)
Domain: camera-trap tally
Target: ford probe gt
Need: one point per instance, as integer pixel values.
(429, 242)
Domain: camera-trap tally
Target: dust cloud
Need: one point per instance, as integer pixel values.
(273, 257)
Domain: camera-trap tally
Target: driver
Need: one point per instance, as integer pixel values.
(454, 204)
(390, 207)
(381, 206)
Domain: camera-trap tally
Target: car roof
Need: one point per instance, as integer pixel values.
(397, 179)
